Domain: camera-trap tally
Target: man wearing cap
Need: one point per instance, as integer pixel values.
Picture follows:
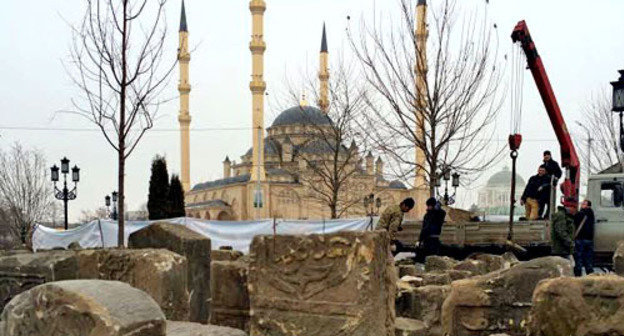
(552, 170)
(562, 230)
(429, 240)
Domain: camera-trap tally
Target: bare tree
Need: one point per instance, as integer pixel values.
(321, 161)
(26, 194)
(599, 143)
(90, 215)
(450, 117)
(117, 58)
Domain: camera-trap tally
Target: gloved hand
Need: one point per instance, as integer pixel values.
(417, 244)
(400, 228)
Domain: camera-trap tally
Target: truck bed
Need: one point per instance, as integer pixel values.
(482, 234)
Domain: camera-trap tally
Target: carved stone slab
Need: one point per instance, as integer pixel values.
(319, 285)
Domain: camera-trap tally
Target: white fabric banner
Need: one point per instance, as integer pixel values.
(238, 234)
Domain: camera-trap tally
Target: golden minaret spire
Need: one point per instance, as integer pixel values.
(420, 182)
(324, 74)
(257, 87)
(184, 117)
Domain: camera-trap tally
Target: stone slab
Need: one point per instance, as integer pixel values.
(230, 297)
(587, 306)
(498, 302)
(176, 328)
(409, 327)
(159, 272)
(81, 308)
(225, 255)
(618, 259)
(335, 284)
(197, 250)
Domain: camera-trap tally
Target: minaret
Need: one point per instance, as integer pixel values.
(184, 117)
(420, 183)
(257, 87)
(324, 74)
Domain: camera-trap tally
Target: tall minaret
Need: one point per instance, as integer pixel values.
(324, 74)
(184, 117)
(420, 184)
(257, 87)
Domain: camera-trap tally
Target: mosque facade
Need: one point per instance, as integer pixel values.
(272, 178)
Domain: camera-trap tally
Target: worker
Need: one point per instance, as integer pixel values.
(584, 223)
(429, 240)
(554, 173)
(391, 220)
(532, 193)
(562, 230)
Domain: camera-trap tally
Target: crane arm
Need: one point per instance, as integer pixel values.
(569, 158)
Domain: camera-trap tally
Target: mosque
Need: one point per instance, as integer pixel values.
(268, 181)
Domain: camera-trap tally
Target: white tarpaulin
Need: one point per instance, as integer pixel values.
(238, 234)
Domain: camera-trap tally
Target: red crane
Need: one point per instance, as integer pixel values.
(569, 158)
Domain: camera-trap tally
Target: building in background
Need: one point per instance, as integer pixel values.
(494, 197)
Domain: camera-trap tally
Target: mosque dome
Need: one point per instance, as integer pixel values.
(301, 115)
(503, 179)
(396, 184)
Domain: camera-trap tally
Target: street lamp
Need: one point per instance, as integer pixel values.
(618, 103)
(65, 194)
(113, 214)
(370, 204)
(446, 175)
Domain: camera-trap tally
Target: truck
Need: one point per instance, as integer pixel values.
(531, 239)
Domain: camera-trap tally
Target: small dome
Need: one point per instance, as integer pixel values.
(396, 184)
(301, 115)
(503, 179)
(271, 147)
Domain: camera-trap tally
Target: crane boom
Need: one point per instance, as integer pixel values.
(569, 158)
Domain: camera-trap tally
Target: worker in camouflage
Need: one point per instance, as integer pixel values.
(392, 217)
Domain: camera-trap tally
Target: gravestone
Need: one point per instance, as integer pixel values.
(318, 285)
(83, 307)
(190, 244)
(230, 297)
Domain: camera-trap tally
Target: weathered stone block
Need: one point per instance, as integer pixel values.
(587, 306)
(335, 284)
(458, 275)
(225, 255)
(83, 307)
(476, 267)
(230, 297)
(439, 263)
(175, 328)
(22, 271)
(618, 259)
(190, 244)
(409, 327)
(436, 278)
(424, 304)
(410, 270)
(158, 272)
(494, 262)
(499, 301)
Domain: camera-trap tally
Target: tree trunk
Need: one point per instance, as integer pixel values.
(122, 129)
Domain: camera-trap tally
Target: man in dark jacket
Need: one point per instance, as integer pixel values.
(562, 230)
(584, 223)
(552, 170)
(532, 192)
(429, 240)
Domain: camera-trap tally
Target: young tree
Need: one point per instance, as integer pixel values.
(176, 198)
(26, 194)
(599, 145)
(117, 63)
(158, 197)
(448, 116)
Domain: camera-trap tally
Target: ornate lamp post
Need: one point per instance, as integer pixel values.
(446, 175)
(370, 203)
(618, 103)
(65, 194)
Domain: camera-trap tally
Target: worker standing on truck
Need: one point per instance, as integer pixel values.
(554, 174)
(562, 230)
(391, 220)
(532, 192)
(584, 223)
(429, 240)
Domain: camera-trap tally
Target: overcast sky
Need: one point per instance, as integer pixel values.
(581, 43)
